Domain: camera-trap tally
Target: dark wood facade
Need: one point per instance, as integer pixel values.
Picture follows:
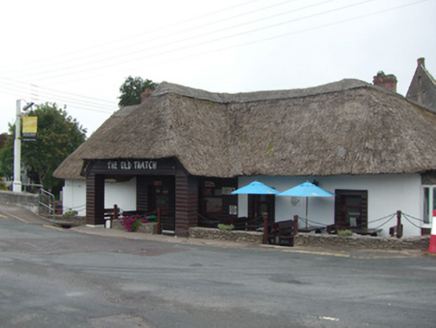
(163, 184)
(215, 200)
(95, 199)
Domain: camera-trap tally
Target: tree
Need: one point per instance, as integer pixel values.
(58, 136)
(131, 90)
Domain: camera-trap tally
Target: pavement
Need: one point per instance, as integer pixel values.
(26, 216)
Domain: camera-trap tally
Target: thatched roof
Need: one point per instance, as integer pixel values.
(346, 127)
(71, 167)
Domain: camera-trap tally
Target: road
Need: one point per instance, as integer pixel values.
(53, 277)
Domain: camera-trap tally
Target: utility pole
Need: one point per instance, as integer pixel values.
(16, 184)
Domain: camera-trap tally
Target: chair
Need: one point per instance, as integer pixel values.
(285, 232)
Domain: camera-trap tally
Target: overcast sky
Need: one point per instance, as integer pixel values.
(78, 53)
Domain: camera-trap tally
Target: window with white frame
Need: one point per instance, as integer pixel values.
(429, 203)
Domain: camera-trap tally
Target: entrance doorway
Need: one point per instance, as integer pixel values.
(160, 194)
(258, 205)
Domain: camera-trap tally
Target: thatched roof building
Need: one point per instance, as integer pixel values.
(71, 168)
(346, 127)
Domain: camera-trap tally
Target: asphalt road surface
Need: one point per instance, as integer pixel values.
(52, 277)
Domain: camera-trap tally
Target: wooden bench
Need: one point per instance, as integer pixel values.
(248, 224)
(111, 213)
(282, 233)
(285, 232)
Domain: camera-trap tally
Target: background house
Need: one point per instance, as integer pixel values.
(422, 89)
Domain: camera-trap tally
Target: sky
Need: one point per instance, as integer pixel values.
(78, 53)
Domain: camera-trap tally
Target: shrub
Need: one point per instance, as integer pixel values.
(226, 227)
(132, 223)
(345, 233)
(70, 212)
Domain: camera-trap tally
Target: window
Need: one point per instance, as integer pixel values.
(215, 199)
(429, 203)
(351, 208)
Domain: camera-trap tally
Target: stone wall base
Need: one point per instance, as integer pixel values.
(73, 221)
(216, 234)
(362, 242)
(319, 240)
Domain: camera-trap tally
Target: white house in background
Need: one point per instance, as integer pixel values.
(184, 150)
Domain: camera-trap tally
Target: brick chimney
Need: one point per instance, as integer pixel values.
(421, 62)
(386, 81)
(144, 96)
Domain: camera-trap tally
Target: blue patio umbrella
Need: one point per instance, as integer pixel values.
(307, 190)
(256, 188)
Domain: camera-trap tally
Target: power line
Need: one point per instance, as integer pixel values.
(159, 37)
(56, 58)
(21, 83)
(123, 60)
(288, 34)
(88, 100)
(50, 95)
(300, 31)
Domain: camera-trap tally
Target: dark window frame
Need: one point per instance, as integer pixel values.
(342, 209)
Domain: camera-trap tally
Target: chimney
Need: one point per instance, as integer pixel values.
(421, 61)
(386, 81)
(144, 96)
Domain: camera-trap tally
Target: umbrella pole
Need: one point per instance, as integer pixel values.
(265, 229)
(307, 199)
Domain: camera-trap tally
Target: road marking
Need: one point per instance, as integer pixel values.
(360, 257)
(329, 318)
(13, 216)
(75, 294)
(3, 216)
(317, 253)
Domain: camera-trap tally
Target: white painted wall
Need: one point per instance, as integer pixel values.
(74, 196)
(386, 195)
(121, 193)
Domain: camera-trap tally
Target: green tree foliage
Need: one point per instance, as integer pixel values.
(58, 136)
(131, 90)
(3, 184)
(7, 155)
